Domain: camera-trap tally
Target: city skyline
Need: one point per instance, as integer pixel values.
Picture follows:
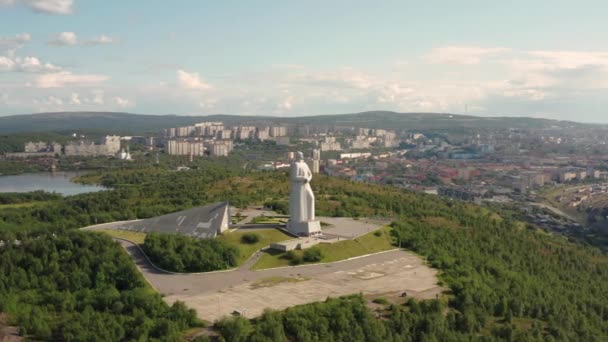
(545, 59)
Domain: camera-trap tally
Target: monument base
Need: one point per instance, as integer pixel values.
(305, 228)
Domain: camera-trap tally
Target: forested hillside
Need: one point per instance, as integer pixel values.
(179, 253)
(77, 286)
(507, 280)
(113, 122)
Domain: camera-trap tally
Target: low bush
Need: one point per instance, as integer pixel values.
(380, 300)
(313, 255)
(289, 255)
(250, 238)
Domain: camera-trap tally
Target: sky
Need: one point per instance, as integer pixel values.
(292, 58)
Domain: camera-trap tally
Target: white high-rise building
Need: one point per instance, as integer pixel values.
(244, 132)
(219, 148)
(262, 134)
(278, 131)
(112, 143)
(185, 148)
(224, 134)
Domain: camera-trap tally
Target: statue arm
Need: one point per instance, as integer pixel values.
(300, 179)
(302, 174)
(308, 175)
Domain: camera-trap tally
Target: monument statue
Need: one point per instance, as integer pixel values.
(302, 200)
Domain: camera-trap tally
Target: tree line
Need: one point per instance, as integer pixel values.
(507, 280)
(180, 253)
(81, 286)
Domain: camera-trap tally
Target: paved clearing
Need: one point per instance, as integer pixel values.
(218, 294)
(349, 228)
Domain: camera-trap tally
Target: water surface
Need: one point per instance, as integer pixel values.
(58, 182)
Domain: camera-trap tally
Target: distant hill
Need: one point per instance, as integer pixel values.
(108, 121)
(127, 123)
(427, 121)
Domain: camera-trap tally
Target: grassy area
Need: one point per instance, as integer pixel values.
(273, 281)
(550, 195)
(90, 179)
(269, 219)
(377, 241)
(136, 237)
(266, 237)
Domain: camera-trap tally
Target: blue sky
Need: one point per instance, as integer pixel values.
(287, 58)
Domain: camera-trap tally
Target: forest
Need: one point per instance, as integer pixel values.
(507, 280)
(27, 197)
(79, 286)
(180, 253)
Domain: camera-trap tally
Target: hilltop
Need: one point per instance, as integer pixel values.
(129, 123)
(507, 280)
(111, 122)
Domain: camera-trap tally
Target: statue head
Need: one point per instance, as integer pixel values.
(299, 156)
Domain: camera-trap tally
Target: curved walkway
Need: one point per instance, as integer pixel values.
(217, 294)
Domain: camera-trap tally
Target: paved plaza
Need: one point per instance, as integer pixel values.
(349, 228)
(218, 294)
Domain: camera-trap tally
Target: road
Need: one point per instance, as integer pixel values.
(171, 283)
(216, 294)
(555, 210)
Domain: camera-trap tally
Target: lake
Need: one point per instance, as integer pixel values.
(58, 182)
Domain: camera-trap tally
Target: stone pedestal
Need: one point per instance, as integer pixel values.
(306, 228)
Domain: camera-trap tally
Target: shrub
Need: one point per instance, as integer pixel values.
(234, 329)
(313, 255)
(289, 255)
(381, 301)
(250, 238)
(295, 260)
(377, 233)
(180, 253)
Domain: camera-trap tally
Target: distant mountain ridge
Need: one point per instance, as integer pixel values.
(129, 123)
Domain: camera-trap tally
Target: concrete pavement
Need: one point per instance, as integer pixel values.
(217, 294)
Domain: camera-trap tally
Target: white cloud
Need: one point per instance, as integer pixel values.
(503, 82)
(71, 39)
(571, 59)
(342, 78)
(123, 102)
(6, 64)
(207, 103)
(468, 55)
(67, 78)
(528, 94)
(10, 62)
(394, 92)
(26, 64)
(50, 6)
(191, 81)
(33, 64)
(65, 38)
(14, 42)
(98, 97)
(101, 40)
(52, 100)
(285, 105)
(496, 81)
(75, 99)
